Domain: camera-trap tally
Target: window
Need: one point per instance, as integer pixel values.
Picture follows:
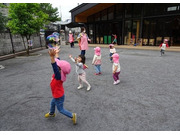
(146, 28)
(173, 8)
(127, 32)
(137, 10)
(151, 9)
(91, 33)
(97, 17)
(119, 11)
(104, 15)
(111, 13)
(128, 10)
(152, 29)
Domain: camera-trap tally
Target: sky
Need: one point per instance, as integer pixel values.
(64, 8)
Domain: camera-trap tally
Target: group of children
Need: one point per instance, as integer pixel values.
(61, 68)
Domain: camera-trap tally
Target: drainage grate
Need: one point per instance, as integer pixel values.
(2, 67)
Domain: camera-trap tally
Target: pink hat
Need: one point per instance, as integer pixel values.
(115, 58)
(65, 68)
(165, 40)
(111, 45)
(97, 51)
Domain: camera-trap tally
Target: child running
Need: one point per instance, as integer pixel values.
(116, 68)
(97, 60)
(115, 39)
(80, 62)
(61, 68)
(112, 51)
(163, 46)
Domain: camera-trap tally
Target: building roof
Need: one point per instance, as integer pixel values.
(78, 7)
(81, 12)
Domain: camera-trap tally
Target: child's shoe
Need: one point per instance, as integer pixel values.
(80, 87)
(74, 118)
(47, 115)
(100, 73)
(114, 82)
(118, 81)
(89, 87)
(96, 73)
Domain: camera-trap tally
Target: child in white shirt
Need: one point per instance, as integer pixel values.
(163, 46)
(97, 60)
(112, 51)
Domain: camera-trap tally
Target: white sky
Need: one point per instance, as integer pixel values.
(64, 8)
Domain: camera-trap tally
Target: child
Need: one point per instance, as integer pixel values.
(80, 61)
(115, 39)
(116, 68)
(97, 60)
(112, 51)
(61, 68)
(163, 46)
(30, 44)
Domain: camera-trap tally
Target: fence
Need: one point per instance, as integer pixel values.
(10, 44)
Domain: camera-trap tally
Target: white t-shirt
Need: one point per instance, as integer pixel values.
(163, 47)
(96, 60)
(113, 50)
(116, 64)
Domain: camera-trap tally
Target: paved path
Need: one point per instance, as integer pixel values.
(146, 99)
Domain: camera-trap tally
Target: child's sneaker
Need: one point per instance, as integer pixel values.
(96, 73)
(114, 82)
(89, 87)
(118, 81)
(47, 115)
(74, 118)
(80, 87)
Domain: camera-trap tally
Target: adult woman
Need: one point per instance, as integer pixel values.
(83, 41)
(71, 39)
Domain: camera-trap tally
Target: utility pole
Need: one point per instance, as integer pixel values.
(11, 41)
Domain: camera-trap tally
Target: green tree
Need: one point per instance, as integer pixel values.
(2, 5)
(26, 19)
(52, 12)
(3, 19)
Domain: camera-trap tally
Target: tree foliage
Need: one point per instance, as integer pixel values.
(2, 5)
(52, 12)
(26, 18)
(3, 19)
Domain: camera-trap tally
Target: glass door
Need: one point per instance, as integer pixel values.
(135, 31)
(176, 32)
(127, 32)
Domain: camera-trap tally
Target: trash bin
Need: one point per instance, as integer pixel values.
(105, 39)
(109, 40)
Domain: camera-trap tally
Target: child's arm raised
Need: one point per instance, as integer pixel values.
(57, 53)
(73, 60)
(52, 54)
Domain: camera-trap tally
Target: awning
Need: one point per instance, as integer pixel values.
(75, 24)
